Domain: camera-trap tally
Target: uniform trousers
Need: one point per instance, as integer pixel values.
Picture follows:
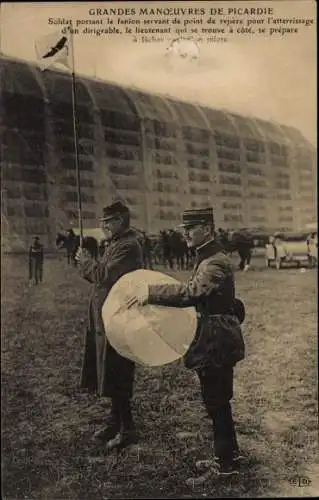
(35, 269)
(217, 391)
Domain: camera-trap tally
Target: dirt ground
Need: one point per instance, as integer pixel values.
(47, 422)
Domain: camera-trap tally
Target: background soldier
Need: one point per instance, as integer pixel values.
(104, 370)
(36, 260)
(218, 344)
(245, 245)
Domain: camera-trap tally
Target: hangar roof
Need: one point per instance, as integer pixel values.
(21, 77)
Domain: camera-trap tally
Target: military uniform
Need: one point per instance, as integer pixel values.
(36, 261)
(218, 344)
(104, 370)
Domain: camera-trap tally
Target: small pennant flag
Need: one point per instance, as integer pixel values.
(54, 48)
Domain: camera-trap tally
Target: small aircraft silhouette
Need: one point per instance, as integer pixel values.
(58, 46)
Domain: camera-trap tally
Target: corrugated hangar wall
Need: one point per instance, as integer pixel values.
(155, 153)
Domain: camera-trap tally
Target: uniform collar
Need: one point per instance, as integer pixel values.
(123, 234)
(208, 249)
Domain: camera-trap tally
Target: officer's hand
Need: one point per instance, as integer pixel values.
(140, 299)
(82, 254)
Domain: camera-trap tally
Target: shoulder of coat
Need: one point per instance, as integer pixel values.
(218, 259)
(124, 243)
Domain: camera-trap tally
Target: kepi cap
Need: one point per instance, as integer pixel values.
(111, 211)
(192, 217)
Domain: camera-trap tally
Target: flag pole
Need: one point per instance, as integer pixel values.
(76, 149)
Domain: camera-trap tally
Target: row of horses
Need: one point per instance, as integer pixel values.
(168, 248)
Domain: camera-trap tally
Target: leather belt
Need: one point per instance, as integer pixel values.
(210, 314)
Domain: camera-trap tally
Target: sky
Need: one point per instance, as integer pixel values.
(273, 78)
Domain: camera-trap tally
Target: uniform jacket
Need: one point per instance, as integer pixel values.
(122, 255)
(218, 339)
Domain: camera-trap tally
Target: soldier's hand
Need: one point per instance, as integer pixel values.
(140, 299)
(82, 254)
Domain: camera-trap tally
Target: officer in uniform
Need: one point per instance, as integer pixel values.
(218, 344)
(104, 370)
(36, 260)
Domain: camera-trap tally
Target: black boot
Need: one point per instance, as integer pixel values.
(225, 439)
(126, 434)
(113, 424)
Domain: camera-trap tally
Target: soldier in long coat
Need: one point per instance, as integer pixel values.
(218, 344)
(104, 371)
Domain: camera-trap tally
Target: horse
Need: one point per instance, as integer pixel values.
(172, 250)
(179, 249)
(71, 244)
(241, 242)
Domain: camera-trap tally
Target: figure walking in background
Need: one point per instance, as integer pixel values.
(36, 260)
(222, 238)
(245, 245)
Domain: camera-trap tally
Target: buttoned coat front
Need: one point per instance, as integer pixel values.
(104, 370)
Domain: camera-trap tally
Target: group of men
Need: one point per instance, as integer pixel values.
(218, 342)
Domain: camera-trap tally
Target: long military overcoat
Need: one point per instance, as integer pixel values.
(104, 370)
(218, 340)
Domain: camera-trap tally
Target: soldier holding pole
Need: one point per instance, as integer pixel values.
(104, 370)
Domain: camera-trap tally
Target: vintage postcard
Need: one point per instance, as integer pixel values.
(159, 249)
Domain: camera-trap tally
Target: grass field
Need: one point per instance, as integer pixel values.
(47, 422)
